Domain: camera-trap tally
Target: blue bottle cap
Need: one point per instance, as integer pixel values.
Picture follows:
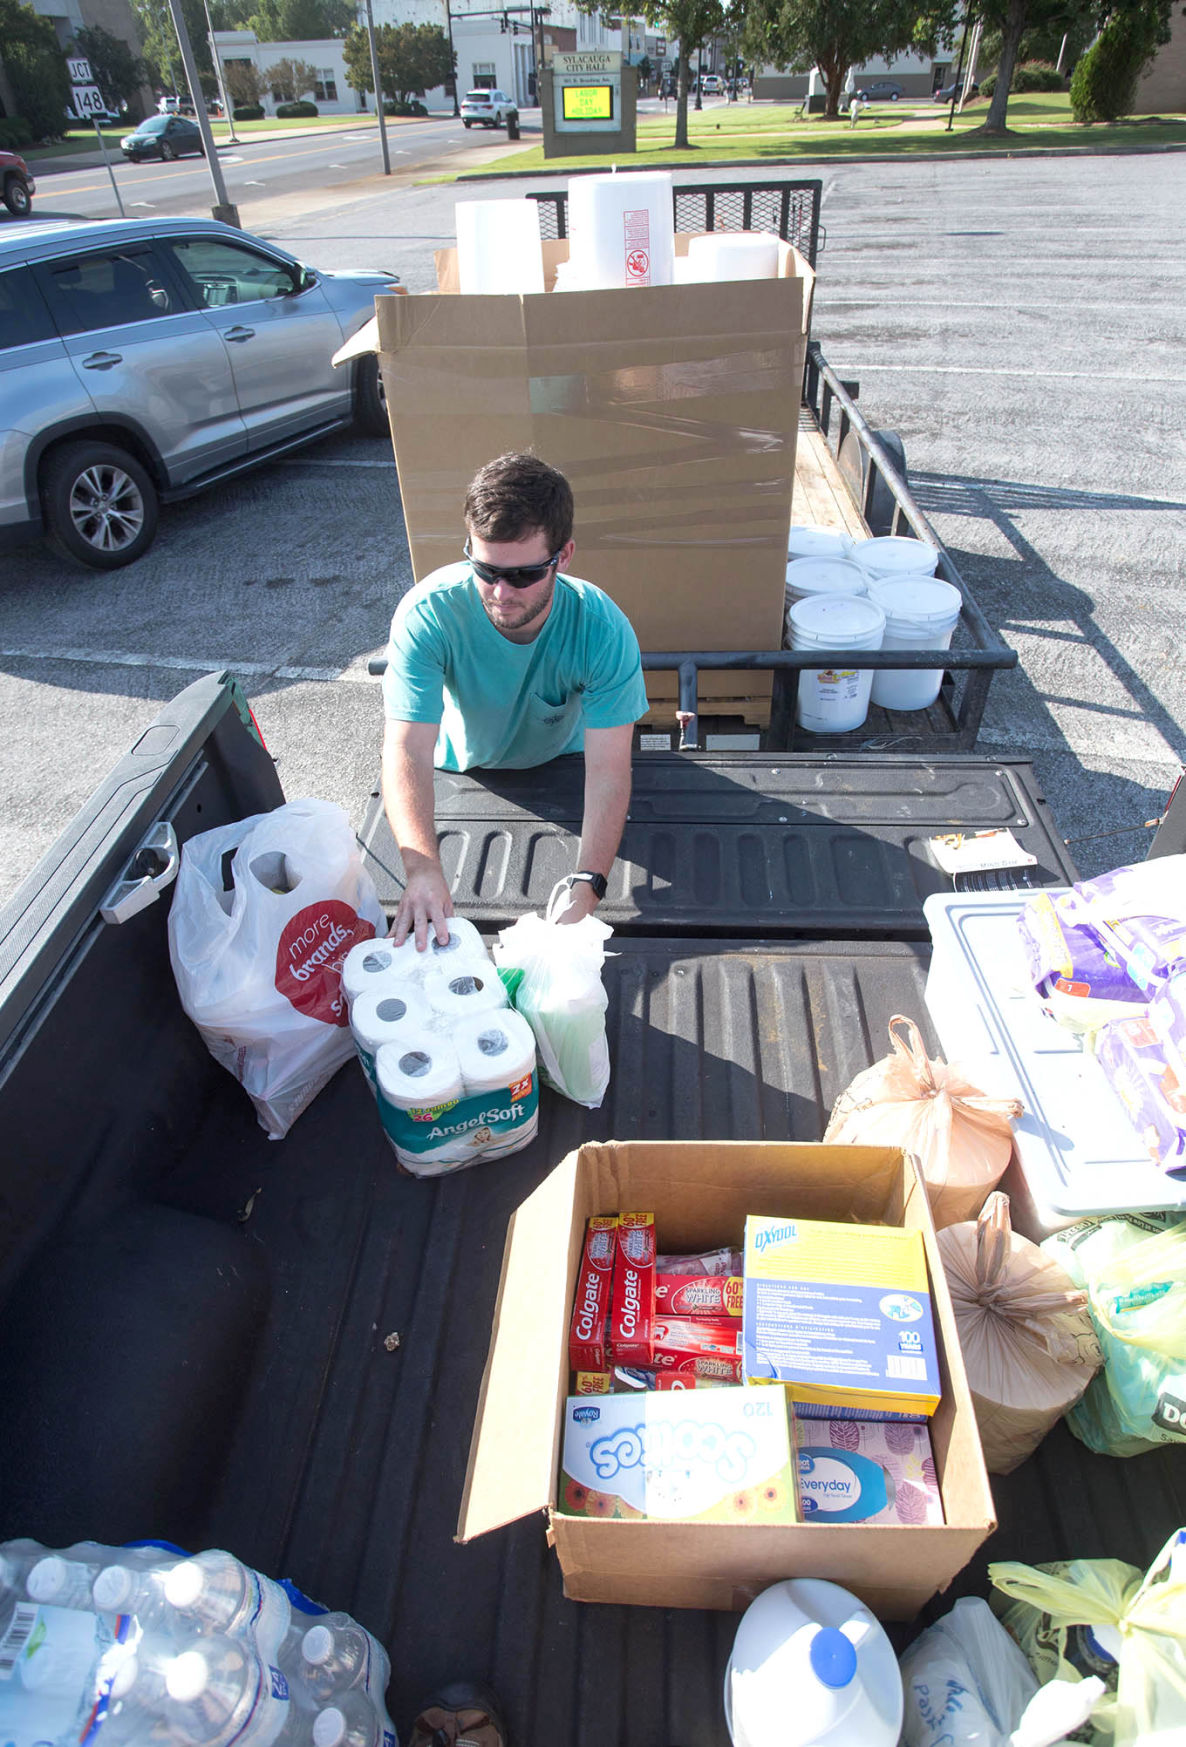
(833, 1657)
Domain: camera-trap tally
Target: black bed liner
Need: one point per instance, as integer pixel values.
(195, 1323)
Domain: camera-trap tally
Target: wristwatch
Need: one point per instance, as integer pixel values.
(596, 880)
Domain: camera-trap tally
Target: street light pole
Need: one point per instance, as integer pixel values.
(224, 210)
(228, 113)
(453, 57)
(375, 80)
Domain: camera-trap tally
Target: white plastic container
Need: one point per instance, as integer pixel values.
(833, 700)
(811, 1667)
(621, 230)
(920, 613)
(824, 576)
(498, 247)
(896, 555)
(734, 255)
(805, 540)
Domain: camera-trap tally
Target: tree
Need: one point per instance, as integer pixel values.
(693, 22)
(836, 35)
(1105, 83)
(290, 79)
(36, 69)
(298, 20)
(413, 58)
(1015, 18)
(162, 57)
(118, 72)
(245, 83)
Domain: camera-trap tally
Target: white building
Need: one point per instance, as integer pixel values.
(330, 92)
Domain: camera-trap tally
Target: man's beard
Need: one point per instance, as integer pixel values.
(502, 621)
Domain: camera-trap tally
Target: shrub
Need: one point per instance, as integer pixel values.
(15, 132)
(392, 106)
(248, 112)
(1036, 76)
(988, 85)
(286, 111)
(1104, 83)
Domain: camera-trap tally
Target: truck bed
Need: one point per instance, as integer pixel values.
(195, 1332)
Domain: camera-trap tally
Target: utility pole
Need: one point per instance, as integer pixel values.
(378, 90)
(223, 210)
(228, 113)
(453, 56)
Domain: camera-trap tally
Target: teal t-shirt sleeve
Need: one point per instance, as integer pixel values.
(414, 683)
(616, 692)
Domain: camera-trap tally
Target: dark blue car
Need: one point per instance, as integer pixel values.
(162, 136)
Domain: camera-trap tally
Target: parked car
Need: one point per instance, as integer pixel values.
(950, 91)
(712, 85)
(146, 359)
(491, 108)
(162, 136)
(880, 91)
(16, 184)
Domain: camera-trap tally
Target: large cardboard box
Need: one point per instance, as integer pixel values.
(700, 1192)
(673, 410)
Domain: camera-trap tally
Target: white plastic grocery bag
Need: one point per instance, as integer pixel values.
(264, 912)
(552, 971)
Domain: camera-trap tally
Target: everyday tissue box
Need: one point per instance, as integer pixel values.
(867, 1472)
(840, 1314)
(712, 1456)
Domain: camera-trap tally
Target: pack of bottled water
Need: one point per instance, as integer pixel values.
(144, 1647)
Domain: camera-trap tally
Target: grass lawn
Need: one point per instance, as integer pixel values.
(750, 133)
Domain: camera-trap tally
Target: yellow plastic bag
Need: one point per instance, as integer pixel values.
(961, 1138)
(1138, 1646)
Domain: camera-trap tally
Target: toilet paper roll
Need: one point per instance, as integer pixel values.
(393, 1013)
(734, 255)
(494, 1049)
(419, 1075)
(622, 229)
(368, 963)
(469, 988)
(498, 247)
(465, 946)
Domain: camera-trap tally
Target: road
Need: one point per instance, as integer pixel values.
(1020, 323)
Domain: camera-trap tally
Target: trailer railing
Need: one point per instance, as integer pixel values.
(792, 209)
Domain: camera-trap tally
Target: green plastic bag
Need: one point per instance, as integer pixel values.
(552, 974)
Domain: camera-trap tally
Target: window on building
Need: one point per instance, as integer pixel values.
(484, 76)
(325, 86)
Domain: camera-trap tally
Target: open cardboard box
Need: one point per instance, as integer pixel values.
(700, 1193)
(672, 409)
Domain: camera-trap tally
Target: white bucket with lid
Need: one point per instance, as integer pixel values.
(811, 1667)
(833, 700)
(921, 612)
(823, 576)
(895, 555)
(805, 540)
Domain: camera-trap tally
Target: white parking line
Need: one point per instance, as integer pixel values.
(141, 203)
(355, 674)
(1027, 373)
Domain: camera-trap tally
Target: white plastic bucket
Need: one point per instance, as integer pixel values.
(824, 576)
(805, 540)
(920, 613)
(498, 247)
(734, 255)
(834, 700)
(895, 555)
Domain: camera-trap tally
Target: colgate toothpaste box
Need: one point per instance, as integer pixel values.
(632, 1316)
(699, 1348)
(698, 1295)
(590, 1313)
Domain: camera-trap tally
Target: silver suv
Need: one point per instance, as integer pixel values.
(142, 360)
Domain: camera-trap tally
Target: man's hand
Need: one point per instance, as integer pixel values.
(582, 901)
(425, 905)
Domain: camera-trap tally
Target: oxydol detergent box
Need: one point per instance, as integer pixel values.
(840, 1314)
(713, 1455)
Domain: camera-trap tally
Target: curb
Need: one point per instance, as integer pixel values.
(93, 160)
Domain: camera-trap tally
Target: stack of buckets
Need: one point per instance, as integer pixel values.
(864, 594)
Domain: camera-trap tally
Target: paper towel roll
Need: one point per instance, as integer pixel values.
(395, 1013)
(498, 247)
(622, 229)
(465, 946)
(734, 255)
(368, 963)
(469, 989)
(418, 1075)
(494, 1049)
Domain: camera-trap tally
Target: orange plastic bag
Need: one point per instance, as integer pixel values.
(961, 1138)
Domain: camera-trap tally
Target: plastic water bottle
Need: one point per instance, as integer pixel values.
(17, 1559)
(352, 1721)
(216, 1593)
(121, 1589)
(65, 1579)
(205, 1693)
(337, 1655)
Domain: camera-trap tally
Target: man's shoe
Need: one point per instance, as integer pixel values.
(460, 1715)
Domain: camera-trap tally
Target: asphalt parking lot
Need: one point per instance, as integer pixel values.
(1019, 323)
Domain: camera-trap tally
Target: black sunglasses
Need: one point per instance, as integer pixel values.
(519, 576)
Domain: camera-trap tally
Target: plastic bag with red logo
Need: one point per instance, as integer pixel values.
(264, 912)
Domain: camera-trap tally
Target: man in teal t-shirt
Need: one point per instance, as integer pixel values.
(504, 662)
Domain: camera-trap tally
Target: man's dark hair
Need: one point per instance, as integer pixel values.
(514, 495)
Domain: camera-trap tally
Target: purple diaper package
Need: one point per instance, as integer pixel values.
(1145, 1070)
(1118, 938)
